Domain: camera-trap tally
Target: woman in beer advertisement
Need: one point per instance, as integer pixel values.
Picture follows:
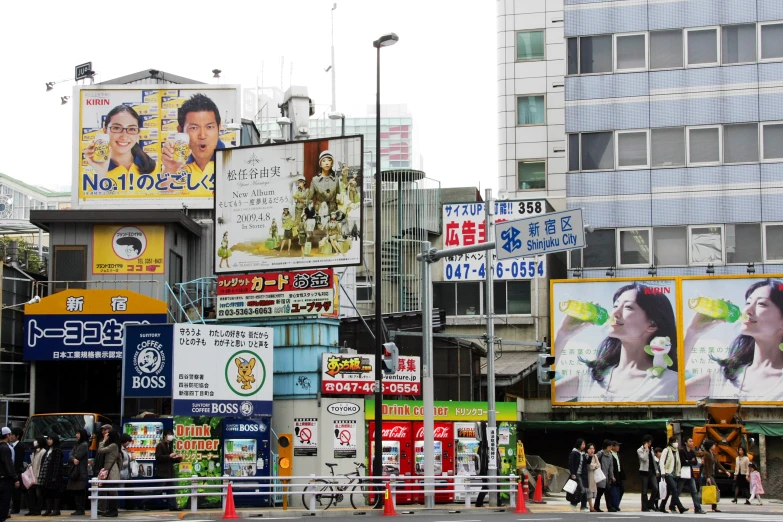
(733, 340)
(616, 342)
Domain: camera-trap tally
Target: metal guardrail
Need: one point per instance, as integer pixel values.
(309, 487)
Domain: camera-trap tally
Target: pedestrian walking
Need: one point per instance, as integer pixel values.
(687, 472)
(16, 494)
(670, 469)
(111, 469)
(710, 465)
(579, 474)
(35, 491)
(8, 478)
(618, 489)
(604, 486)
(125, 471)
(592, 465)
(647, 473)
(77, 473)
(741, 471)
(165, 458)
(52, 476)
(756, 488)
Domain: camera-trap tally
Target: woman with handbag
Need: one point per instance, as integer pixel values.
(709, 466)
(34, 491)
(594, 468)
(111, 468)
(77, 474)
(741, 472)
(51, 478)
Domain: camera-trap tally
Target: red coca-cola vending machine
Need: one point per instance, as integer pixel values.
(397, 456)
(444, 459)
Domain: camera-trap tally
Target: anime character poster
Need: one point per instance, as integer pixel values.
(290, 205)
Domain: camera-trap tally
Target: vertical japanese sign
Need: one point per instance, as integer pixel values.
(554, 232)
(152, 146)
(222, 370)
(464, 225)
(345, 439)
(305, 292)
(128, 249)
(85, 324)
(305, 437)
(492, 448)
(288, 206)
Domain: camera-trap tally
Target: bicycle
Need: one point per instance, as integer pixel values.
(328, 492)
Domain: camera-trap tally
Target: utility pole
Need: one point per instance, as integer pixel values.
(492, 470)
(334, 91)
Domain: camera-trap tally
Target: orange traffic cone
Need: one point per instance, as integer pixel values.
(388, 503)
(538, 497)
(231, 512)
(521, 507)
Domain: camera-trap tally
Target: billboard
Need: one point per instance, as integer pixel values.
(733, 337)
(128, 249)
(289, 206)
(150, 145)
(354, 374)
(250, 296)
(464, 225)
(147, 361)
(79, 324)
(223, 371)
(616, 340)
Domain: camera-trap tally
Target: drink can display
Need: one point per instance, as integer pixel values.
(100, 152)
(584, 311)
(181, 143)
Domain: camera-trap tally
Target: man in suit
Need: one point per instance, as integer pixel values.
(15, 439)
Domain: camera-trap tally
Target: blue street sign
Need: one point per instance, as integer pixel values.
(545, 234)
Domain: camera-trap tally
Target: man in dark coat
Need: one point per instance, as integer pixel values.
(165, 458)
(9, 480)
(15, 442)
(579, 474)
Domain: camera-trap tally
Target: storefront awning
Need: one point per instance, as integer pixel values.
(771, 429)
(593, 425)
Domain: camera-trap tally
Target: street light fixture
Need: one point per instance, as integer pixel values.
(338, 116)
(377, 464)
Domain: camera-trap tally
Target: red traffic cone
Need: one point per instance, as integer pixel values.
(231, 512)
(388, 503)
(521, 507)
(538, 496)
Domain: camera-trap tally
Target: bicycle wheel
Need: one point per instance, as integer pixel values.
(359, 497)
(323, 493)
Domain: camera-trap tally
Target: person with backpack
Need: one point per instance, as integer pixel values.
(670, 469)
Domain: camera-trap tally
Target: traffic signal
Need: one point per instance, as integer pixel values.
(390, 357)
(545, 371)
(285, 456)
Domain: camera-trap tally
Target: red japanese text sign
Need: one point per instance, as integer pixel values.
(354, 374)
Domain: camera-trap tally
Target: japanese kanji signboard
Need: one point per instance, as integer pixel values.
(85, 324)
(305, 292)
(464, 225)
(554, 232)
(223, 371)
(354, 374)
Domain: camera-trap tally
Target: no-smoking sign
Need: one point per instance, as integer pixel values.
(305, 437)
(345, 439)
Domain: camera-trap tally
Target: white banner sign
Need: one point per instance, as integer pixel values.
(222, 371)
(464, 225)
(492, 448)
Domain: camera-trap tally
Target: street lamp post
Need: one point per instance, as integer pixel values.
(377, 466)
(338, 116)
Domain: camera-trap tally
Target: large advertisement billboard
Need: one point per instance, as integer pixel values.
(289, 206)
(151, 145)
(616, 341)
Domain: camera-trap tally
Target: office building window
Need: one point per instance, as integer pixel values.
(572, 62)
(530, 45)
(70, 264)
(667, 147)
(600, 249)
(532, 175)
(665, 49)
(773, 243)
(670, 246)
(632, 149)
(740, 143)
(743, 243)
(597, 151)
(706, 244)
(444, 297)
(511, 297)
(635, 246)
(771, 41)
(772, 139)
(531, 110)
(704, 145)
(738, 43)
(573, 152)
(595, 54)
(702, 47)
(631, 52)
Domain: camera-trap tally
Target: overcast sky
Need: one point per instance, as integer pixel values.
(443, 67)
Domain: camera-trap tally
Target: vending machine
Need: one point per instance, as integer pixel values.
(246, 453)
(146, 434)
(444, 459)
(397, 454)
(468, 461)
